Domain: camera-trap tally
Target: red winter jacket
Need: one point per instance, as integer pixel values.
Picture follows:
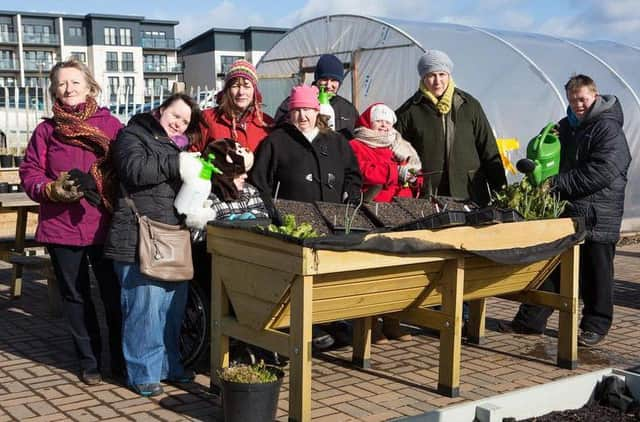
(249, 135)
(379, 168)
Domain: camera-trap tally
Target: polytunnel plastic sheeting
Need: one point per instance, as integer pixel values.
(518, 78)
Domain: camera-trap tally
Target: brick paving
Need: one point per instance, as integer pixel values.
(38, 380)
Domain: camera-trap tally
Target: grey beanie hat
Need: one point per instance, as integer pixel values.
(434, 61)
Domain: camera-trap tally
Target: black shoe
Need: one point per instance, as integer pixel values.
(589, 338)
(148, 390)
(187, 377)
(91, 376)
(517, 328)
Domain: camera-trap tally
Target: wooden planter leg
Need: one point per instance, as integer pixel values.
(451, 332)
(362, 342)
(475, 325)
(568, 317)
(21, 229)
(219, 342)
(300, 349)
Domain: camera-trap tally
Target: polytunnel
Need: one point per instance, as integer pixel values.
(518, 77)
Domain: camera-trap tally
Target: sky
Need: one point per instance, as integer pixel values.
(614, 20)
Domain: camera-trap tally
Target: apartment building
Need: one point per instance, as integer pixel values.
(129, 56)
(207, 57)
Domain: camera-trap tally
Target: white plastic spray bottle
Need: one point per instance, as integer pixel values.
(325, 106)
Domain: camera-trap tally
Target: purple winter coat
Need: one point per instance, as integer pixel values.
(77, 223)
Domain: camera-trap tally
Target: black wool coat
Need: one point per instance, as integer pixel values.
(322, 170)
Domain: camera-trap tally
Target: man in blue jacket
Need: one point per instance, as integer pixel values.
(593, 175)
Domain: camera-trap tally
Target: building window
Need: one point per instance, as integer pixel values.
(155, 86)
(112, 61)
(155, 63)
(127, 62)
(226, 62)
(8, 81)
(129, 87)
(41, 61)
(125, 36)
(75, 31)
(36, 82)
(113, 84)
(109, 36)
(79, 55)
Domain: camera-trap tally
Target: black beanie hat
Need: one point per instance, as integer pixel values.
(329, 66)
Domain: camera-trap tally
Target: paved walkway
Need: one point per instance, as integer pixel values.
(38, 380)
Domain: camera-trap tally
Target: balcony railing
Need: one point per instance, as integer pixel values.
(167, 43)
(49, 39)
(8, 65)
(8, 37)
(163, 67)
(39, 65)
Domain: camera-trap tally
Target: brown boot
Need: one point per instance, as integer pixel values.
(377, 337)
(391, 329)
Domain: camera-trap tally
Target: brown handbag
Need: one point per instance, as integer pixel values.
(164, 250)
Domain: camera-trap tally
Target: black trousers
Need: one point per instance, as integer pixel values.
(71, 266)
(596, 290)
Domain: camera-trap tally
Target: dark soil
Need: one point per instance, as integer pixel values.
(588, 413)
(387, 214)
(418, 208)
(305, 212)
(448, 203)
(334, 215)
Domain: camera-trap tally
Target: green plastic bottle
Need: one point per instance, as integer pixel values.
(325, 106)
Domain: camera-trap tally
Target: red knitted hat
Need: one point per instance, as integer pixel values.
(242, 69)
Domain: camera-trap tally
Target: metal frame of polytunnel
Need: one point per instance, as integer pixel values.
(517, 77)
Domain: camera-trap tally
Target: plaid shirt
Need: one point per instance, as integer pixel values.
(249, 201)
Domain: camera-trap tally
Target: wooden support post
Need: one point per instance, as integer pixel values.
(362, 342)
(568, 318)
(451, 335)
(21, 229)
(219, 340)
(300, 349)
(475, 325)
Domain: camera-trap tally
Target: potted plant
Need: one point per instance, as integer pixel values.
(6, 160)
(250, 392)
(18, 156)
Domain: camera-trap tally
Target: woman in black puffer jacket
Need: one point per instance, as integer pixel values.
(148, 157)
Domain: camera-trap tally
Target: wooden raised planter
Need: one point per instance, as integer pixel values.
(273, 284)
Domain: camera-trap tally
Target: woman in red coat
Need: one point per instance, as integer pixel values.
(388, 161)
(385, 158)
(238, 115)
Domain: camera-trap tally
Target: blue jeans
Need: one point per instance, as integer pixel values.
(152, 313)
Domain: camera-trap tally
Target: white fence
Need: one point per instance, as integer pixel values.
(21, 109)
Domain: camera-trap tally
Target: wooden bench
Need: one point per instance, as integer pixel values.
(41, 264)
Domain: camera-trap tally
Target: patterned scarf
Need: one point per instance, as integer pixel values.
(373, 138)
(72, 129)
(443, 104)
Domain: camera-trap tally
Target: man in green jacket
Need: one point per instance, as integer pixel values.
(451, 133)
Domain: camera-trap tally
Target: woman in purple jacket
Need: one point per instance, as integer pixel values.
(66, 169)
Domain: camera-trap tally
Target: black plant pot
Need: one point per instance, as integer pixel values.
(251, 402)
(17, 160)
(6, 161)
(4, 187)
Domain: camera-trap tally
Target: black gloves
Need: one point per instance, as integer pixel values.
(86, 184)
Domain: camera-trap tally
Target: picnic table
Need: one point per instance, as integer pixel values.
(20, 203)
(263, 284)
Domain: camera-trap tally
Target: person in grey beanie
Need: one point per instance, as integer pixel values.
(451, 133)
(329, 73)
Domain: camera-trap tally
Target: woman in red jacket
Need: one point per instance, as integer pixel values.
(389, 163)
(238, 115)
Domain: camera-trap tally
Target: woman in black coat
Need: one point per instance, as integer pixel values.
(149, 159)
(305, 161)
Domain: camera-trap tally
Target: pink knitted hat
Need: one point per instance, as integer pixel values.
(304, 96)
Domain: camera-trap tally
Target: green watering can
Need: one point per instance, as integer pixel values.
(543, 156)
